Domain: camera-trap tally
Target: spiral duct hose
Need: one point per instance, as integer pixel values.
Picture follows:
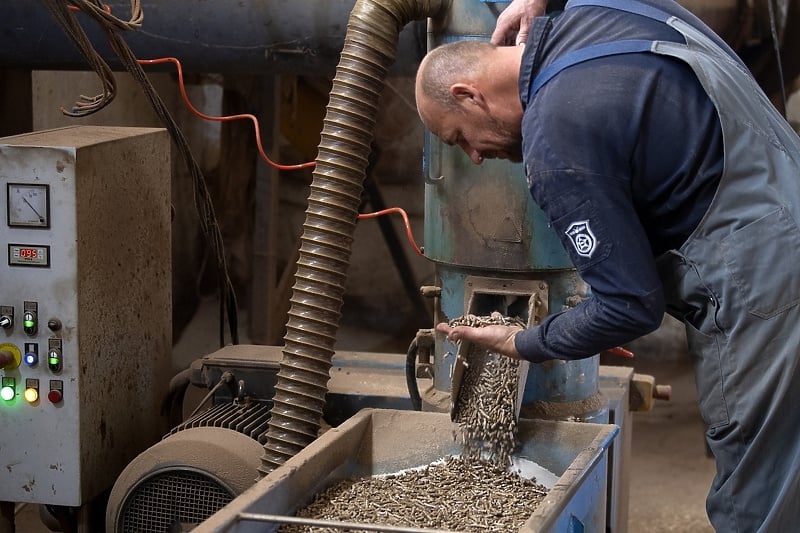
(369, 49)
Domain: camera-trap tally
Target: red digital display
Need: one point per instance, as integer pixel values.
(32, 255)
(28, 253)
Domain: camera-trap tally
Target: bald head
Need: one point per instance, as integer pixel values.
(450, 64)
(467, 94)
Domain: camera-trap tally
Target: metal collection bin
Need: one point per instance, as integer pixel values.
(378, 441)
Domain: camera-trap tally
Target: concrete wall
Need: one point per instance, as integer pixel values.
(52, 90)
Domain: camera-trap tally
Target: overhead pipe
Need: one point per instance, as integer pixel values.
(370, 47)
(280, 36)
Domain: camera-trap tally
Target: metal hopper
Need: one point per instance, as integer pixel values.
(376, 441)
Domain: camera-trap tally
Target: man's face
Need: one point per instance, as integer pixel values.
(476, 131)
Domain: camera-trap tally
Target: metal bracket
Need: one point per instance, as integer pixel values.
(481, 293)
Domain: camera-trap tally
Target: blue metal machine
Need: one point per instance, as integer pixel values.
(494, 250)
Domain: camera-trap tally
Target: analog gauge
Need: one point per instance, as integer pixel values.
(28, 205)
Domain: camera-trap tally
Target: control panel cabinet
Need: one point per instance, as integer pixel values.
(85, 307)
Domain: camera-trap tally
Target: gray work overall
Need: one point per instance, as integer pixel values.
(735, 284)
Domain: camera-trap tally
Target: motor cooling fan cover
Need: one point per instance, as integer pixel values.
(182, 480)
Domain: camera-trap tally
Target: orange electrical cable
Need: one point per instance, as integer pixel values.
(194, 110)
(106, 8)
(405, 220)
(228, 118)
(310, 164)
(621, 351)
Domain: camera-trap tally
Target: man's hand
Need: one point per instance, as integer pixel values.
(516, 20)
(494, 338)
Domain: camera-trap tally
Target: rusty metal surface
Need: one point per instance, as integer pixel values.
(476, 216)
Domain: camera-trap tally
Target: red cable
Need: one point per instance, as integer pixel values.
(405, 220)
(185, 97)
(621, 352)
(106, 8)
(228, 118)
(261, 149)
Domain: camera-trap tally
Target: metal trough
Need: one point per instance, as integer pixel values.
(381, 441)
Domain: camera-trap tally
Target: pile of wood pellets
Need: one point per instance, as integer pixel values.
(473, 492)
(454, 495)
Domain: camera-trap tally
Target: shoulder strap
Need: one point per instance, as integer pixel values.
(628, 46)
(630, 6)
(585, 54)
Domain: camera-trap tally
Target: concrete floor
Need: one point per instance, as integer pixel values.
(669, 470)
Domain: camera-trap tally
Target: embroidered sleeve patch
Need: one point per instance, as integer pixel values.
(582, 238)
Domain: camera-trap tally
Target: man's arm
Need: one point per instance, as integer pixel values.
(595, 218)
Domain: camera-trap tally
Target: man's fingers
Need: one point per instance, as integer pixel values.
(524, 26)
(501, 37)
(453, 333)
(444, 327)
(507, 24)
(496, 337)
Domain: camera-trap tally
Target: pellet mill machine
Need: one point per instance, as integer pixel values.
(287, 420)
(493, 252)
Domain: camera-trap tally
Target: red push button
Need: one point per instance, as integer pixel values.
(6, 358)
(54, 396)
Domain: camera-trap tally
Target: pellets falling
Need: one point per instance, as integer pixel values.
(473, 492)
(485, 408)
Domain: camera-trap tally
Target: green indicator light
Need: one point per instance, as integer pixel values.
(54, 360)
(7, 393)
(28, 323)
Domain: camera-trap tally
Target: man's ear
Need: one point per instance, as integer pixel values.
(465, 93)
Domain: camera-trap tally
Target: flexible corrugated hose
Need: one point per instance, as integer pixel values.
(369, 49)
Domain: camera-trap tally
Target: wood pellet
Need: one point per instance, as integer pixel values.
(472, 492)
(454, 495)
(486, 403)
